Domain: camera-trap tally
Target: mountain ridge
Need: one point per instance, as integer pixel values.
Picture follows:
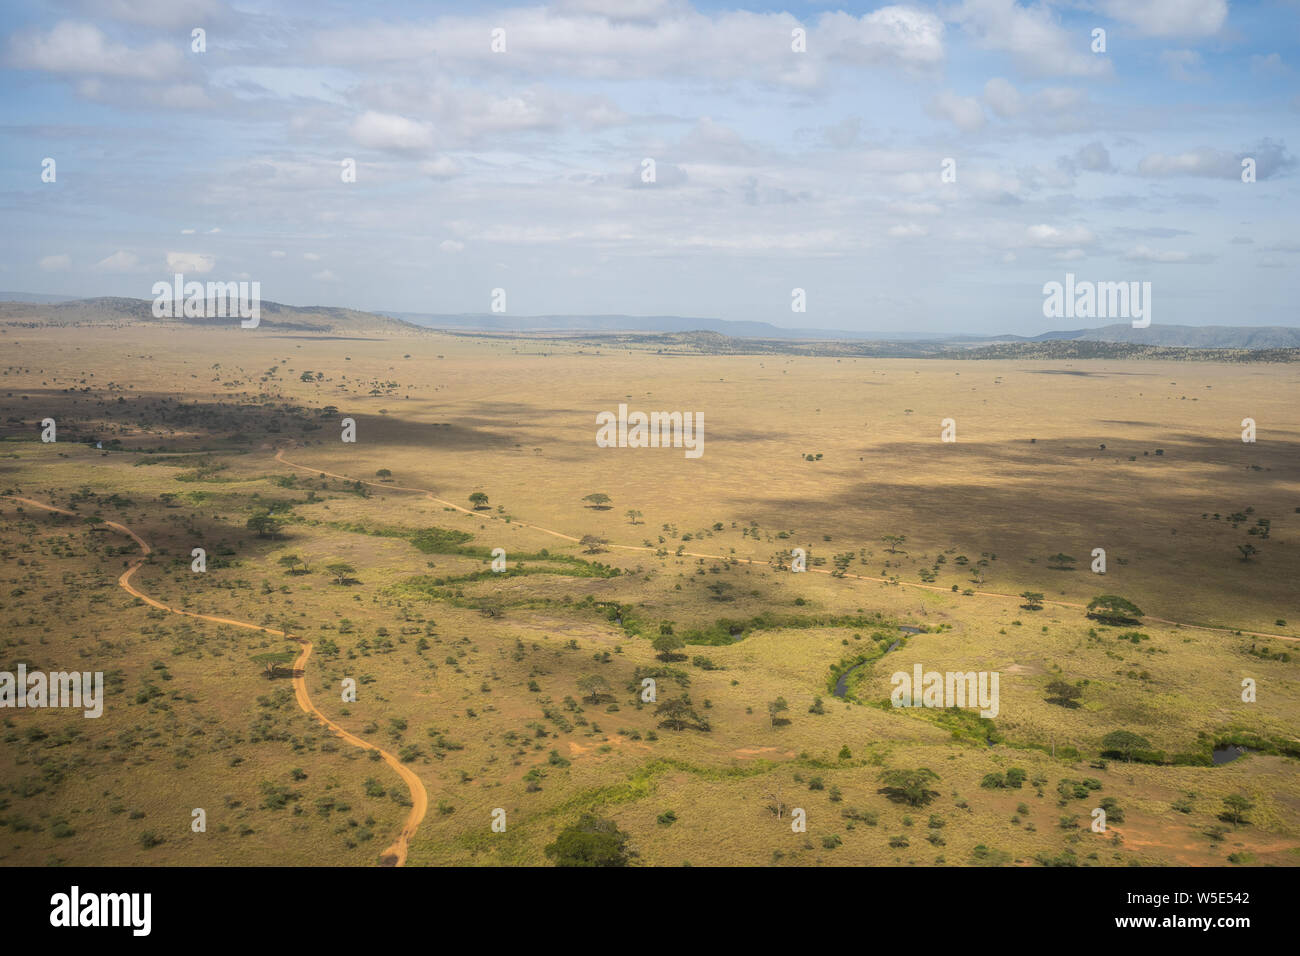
(39, 308)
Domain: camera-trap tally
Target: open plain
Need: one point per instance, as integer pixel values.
(515, 697)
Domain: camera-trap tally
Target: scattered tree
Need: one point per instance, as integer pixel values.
(909, 786)
(479, 500)
(666, 644)
(775, 708)
(1033, 600)
(263, 524)
(1235, 807)
(678, 714)
(593, 688)
(1113, 609)
(1124, 743)
(1063, 693)
(341, 571)
(591, 841)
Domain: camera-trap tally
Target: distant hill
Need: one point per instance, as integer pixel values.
(495, 322)
(1187, 336)
(274, 315)
(42, 309)
(34, 297)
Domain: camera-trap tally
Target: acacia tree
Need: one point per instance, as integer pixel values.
(678, 714)
(1063, 693)
(632, 515)
(479, 500)
(1235, 807)
(1061, 562)
(910, 786)
(1247, 550)
(340, 570)
(599, 500)
(271, 662)
(1125, 743)
(292, 561)
(666, 644)
(893, 540)
(593, 687)
(1033, 600)
(263, 524)
(776, 707)
(1113, 609)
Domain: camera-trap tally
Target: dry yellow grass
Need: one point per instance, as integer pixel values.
(516, 420)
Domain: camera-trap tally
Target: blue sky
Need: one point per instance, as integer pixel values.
(775, 169)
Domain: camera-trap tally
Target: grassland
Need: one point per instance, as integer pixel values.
(471, 677)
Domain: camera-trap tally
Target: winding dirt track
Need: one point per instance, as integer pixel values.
(395, 855)
(279, 456)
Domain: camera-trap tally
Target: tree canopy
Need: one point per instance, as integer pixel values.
(1113, 609)
(591, 841)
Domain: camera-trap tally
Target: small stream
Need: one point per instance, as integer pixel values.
(842, 685)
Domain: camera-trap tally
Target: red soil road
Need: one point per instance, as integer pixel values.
(395, 855)
(279, 456)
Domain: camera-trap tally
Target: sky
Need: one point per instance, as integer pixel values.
(524, 169)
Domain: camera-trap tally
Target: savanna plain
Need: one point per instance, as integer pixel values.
(349, 681)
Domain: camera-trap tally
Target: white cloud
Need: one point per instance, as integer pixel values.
(277, 253)
(441, 167)
(1045, 236)
(325, 275)
(311, 257)
(120, 261)
(375, 130)
(571, 42)
(901, 36)
(908, 231)
(159, 13)
(74, 47)
(451, 245)
(1144, 253)
(1165, 18)
(964, 112)
(190, 262)
(1002, 97)
(1032, 35)
(55, 263)
(1270, 156)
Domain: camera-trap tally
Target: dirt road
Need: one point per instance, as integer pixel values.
(395, 855)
